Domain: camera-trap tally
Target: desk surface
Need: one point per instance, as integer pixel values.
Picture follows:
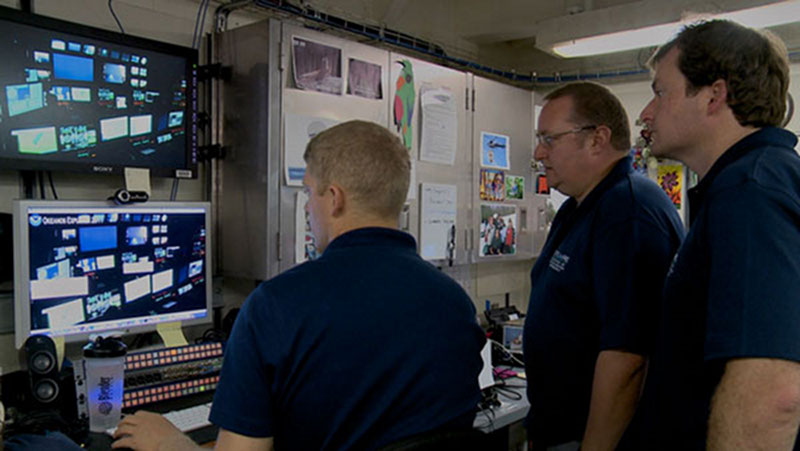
(510, 410)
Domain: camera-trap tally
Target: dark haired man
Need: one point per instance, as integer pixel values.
(725, 371)
(593, 295)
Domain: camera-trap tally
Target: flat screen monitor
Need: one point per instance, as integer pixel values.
(95, 268)
(76, 98)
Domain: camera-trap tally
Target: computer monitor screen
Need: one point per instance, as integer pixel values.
(94, 268)
(83, 99)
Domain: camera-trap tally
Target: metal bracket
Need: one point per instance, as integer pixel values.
(214, 71)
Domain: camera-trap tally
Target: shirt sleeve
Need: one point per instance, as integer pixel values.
(754, 274)
(630, 261)
(243, 401)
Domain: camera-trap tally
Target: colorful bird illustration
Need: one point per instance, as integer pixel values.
(404, 102)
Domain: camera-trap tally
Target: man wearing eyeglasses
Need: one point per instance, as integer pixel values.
(595, 286)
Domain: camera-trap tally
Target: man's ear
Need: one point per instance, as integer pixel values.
(718, 96)
(338, 199)
(601, 137)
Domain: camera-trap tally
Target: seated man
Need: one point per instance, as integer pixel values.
(363, 347)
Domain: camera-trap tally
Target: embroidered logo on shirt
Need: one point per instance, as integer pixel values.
(558, 261)
(672, 264)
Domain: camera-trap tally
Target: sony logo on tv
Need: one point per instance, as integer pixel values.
(102, 168)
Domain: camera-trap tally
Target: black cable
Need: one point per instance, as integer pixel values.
(28, 183)
(174, 192)
(196, 24)
(52, 186)
(508, 392)
(40, 176)
(200, 23)
(489, 413)
(111, 8)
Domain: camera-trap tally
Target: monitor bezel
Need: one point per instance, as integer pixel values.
(191, 55)
(22, 276)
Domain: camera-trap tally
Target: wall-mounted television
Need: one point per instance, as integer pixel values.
(76, 98)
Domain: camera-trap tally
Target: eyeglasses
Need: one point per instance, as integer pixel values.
(549, 140)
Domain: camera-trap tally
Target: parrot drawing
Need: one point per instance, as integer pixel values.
(404, 102)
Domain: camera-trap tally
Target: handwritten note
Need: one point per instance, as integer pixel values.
(438, 221)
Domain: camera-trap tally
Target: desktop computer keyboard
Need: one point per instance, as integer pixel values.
(185, 420)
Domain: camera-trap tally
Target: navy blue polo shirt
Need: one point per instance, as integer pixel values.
(593, 288)
(734, 288)
(364, 346)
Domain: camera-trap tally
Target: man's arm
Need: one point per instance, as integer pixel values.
(618, 378)
(147, 431)
(756, 405)
(231, 441)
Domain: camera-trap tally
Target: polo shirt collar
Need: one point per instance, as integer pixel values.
(620, 170)
(764, 137)
(372, 236)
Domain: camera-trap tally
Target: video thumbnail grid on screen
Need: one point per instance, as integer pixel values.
(66, 98)
(114, 268)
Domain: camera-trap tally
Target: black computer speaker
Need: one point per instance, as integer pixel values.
(40, 353)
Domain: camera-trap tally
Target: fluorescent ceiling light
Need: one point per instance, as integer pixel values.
(758, 17)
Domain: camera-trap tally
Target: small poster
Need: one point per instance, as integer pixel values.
(364, 79)
(495, 150)
(639, 161)
(317, 67)
(404, 97)
(439, 134)
(553, 203)
(498, 230)
(670, 179)
(298, 131)
(515, 187)
(493, 185)
(305, 245)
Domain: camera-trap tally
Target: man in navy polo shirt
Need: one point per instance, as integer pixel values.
(363, 347)
(725, 372)
(595, 286)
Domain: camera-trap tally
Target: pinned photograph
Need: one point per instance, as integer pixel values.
(498, 230)
(305, 243)
(670, 178)
(495, 150)
(493, 185)
(317, 67)
(515, 187)
(512, 338)
(541, 184)
(364, 79)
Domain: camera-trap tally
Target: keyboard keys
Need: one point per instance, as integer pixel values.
(185, 420)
